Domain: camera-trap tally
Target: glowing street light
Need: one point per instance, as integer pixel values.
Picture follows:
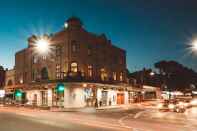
(152, 74)
(193, 46)
(42, 45)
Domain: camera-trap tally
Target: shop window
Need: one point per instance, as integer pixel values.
(74, 67)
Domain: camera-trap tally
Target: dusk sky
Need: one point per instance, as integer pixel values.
(149, 30)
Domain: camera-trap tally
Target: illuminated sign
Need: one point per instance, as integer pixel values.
(2, 93)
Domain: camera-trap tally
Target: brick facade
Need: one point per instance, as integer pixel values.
(74, 52)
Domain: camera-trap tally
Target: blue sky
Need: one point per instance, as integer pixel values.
(149, 30)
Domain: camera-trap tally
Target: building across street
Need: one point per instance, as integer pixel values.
(72, 68)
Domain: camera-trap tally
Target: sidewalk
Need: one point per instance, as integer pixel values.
(141, 105)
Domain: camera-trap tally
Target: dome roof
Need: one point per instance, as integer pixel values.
(74, 22)
(74, 18)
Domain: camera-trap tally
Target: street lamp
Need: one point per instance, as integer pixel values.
(42, 45)
(152, 74)
(192, 46)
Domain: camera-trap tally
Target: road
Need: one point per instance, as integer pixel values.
(12, 122)
(22, 119)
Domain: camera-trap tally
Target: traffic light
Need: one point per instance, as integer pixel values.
(60, 87)
(18, 93)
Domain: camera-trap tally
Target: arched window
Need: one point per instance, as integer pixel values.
(74, 67)
(103, 74)
(44, 73)
(10, 83)
(90, 71)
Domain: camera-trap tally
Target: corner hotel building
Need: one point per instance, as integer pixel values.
(88, 66)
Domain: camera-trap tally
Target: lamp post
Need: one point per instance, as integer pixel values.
(142, 79)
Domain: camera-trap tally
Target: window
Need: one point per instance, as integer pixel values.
(89, 50)
(58, 50)
(44, 73)
(34, 75)
(58, 70)
(35, 59)
(121, 76)
(121, 60)
(44, 57)
(103, 74)
(74, 67)
(114, 76)
(90, 71)
(10, 83)
(75, 47)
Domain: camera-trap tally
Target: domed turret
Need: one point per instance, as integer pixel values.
(74, 22)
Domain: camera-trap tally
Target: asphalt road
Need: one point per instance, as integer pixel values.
(23, 119)
(13, 122)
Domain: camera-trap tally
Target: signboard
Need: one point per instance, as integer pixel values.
(2, 93)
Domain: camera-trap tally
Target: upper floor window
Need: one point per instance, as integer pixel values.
(44, 73)
(74, 67)
(58, 50)
(90, 71)
(121, 60)
(89, 50)
(58, 70)
(121, 76)
(44, 57)
(74, 46)
(34, 75)
(35, 59)
(114, 76)
(10, 83)
(103, 74)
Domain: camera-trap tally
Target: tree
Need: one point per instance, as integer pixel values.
(175, 75)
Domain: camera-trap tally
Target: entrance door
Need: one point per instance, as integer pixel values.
(35, 100)
(44, 96)
(104, 98)
(120, 98)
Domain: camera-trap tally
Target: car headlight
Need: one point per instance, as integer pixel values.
(193, 102)
(186, 104)
(171, 106)
(159, 105)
